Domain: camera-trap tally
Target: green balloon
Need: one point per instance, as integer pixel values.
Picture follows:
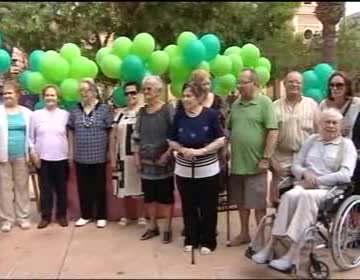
(143, 45)
(310, 80)
(70, 90)
(218, 90)
(194, 53)
(159, 62)
(121, 46)
(36, 82)
(237, 64)
(79, 68)
(92, 70)
(227, 82)
(101, 54)
(51, 53)
(55, 69)
(185, 38)
(221, 65)
(233, 50)
(40, 104)
(204, 65)
(263, 61)
(315, 94)
(111, 65)
(172, 50)
(176, 88)
(250, 55)
(5, 61)
(70, 51)
(132, 69)
(119, 97)
(178, 70)
(263, 74)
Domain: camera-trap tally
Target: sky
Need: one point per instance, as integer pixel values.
(352, 7)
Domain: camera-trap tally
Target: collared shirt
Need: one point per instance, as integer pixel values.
(249, 123)
(91, 133)
(323, 159)
(296, 124)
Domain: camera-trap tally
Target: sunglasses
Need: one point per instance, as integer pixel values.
(130, 93)
(337, 85)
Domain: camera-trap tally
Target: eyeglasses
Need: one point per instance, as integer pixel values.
(130, 93)
(337, 85)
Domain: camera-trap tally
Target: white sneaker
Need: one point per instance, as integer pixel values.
(6, 226)
(205, 251)
(282, 264)
(262, 256)
(123, 222)
(142, 222)
(24, 225)
(188, 248)
(81, 222)
(101, 223)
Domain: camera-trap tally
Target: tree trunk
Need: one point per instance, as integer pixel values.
(329, 43)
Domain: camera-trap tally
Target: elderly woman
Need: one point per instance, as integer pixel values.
(90, 125)
(196, 137)
(340, 96)
(15, 149)
(326, 159)
(153, 156)
(127, 179)
(49, 135)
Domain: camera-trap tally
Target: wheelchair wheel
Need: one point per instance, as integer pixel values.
(345, 235)
(318, 270)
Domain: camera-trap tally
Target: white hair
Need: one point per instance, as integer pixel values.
(332, 112)
(155, 80)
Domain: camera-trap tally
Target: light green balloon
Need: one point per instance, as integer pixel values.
(172, 50)
(55, 69)
(121, 46)
(91, 70)
(204, 65)
(79, 68)
(185, 38)
(250, 55)
(178, 70)
(101, 53)
(263, 61)
(220, 91)
(70, 90)
(233, 50)
(176, 88)
(159, 62)
(227, 82)
(111, 65)
(36, 82)
(221, 65)
(263, 74)
(237, 64)
(70, 51)
(143, 45)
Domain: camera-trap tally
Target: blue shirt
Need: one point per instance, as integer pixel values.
(196, 132)
(16, 136)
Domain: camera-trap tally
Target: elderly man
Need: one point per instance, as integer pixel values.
(296, 116)
(153, 156)
(326, 159)
(253, 135)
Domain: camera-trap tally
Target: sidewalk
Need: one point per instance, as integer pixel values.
(117, 253)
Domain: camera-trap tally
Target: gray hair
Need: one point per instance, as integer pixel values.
(292, 72)
(254, 75)
(92, 85)
(331, 111)
(156, 81)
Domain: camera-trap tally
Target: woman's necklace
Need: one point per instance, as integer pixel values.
(88, 120)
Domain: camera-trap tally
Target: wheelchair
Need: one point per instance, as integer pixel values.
(337, 228)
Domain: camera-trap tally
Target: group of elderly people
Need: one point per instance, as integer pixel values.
(153, 147)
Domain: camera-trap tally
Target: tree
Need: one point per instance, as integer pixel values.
(329, 14)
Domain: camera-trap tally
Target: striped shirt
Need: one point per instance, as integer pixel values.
(201, 167)
(296, 124)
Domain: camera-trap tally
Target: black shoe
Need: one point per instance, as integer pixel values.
(167, 238)
(43, 223)
(150, 233)
(63, 222)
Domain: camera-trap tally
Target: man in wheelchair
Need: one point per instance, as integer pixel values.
(325, 160)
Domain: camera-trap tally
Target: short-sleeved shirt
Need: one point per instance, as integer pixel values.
(249, 123)
(91, 133)
(196, 133)
(151, 133)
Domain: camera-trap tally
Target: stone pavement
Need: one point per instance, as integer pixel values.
(117, 253)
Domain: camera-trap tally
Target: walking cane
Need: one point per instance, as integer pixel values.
(192, 176)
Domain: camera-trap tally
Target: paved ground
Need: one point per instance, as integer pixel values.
(116, 252)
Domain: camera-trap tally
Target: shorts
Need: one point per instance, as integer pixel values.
(158, 190)
(248, 191)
